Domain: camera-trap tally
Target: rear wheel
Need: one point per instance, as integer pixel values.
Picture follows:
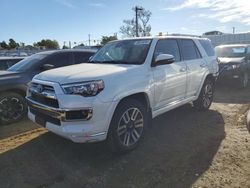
(205, 98)
(12, 108)
(127, 126)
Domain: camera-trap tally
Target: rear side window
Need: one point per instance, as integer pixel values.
(189, 50)
(207, 47)
(167, 46)
(82, 57)
(60, 60)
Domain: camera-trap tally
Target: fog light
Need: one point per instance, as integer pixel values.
(74, 115)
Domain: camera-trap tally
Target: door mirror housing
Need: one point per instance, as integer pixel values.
(163, 59)
(47, 67)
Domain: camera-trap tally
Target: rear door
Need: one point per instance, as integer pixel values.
(170, 80)
(196, 66)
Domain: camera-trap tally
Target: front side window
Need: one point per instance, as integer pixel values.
(167, 46)
(123, 52)
(189, 50)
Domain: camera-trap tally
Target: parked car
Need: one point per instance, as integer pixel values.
(7, 62)
(13, 82)
(125, 84)
(234, 63)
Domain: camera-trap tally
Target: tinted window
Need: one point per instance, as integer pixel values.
(3, 65)
(207, 47)
(167, 46)
(81, 57)
(60, 60)
(189, 50)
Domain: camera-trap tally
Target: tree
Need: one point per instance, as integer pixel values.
(129, 27)
(13, 44)
(4, 45)
(65, 47)
(47, 43)
(106, 39)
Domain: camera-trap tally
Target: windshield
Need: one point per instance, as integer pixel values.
(27, 63)
(123, 52)
(230, 51)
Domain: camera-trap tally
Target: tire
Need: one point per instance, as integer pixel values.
(244, 80)
(13, 108)
(205, 98)
(128, 126)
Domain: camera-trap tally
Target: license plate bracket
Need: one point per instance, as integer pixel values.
(40, 121)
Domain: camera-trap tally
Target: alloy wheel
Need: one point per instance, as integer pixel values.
(130, 127)
(208, 95)
(11, 108)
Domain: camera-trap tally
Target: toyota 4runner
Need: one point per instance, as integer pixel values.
(124, 85)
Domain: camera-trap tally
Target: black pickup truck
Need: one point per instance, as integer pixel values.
(14, 81)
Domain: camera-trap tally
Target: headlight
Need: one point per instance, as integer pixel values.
(86, 89)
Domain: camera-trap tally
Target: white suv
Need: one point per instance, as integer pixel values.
(125, 84)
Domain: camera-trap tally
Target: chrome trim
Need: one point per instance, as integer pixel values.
(57, 113)
(50, 95)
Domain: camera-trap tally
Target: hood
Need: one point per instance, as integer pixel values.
(9, 75)
(231, 60)
(83, 72)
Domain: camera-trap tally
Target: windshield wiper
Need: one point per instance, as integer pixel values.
(115, 62)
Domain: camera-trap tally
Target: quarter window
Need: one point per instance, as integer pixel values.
(207, 47)
(189, 50)
(167, 46)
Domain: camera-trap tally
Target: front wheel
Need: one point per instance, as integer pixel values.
(127, 126)
(12, 108)
(205, 98)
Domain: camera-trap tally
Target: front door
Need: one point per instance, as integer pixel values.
(170, 80)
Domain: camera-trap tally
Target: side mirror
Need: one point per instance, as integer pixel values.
(163, 59)
(47, 67)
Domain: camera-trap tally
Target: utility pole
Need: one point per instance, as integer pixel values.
(136, 20)
(89, 39)
(233, 30)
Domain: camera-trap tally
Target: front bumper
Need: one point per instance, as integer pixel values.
(93, 128)
(230, 75)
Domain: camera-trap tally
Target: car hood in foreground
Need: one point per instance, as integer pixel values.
(84, 72)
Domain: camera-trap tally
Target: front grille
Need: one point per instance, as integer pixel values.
(43, 94)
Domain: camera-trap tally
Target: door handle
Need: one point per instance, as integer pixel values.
(183, 69)
(203, 65)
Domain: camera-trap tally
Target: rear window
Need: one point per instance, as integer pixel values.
(207, 47)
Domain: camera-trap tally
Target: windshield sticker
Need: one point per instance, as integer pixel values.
(238, 50)
(142, 42)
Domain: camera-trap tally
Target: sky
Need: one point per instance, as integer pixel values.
(30, 21)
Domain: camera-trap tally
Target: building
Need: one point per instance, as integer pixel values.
(239, 38)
